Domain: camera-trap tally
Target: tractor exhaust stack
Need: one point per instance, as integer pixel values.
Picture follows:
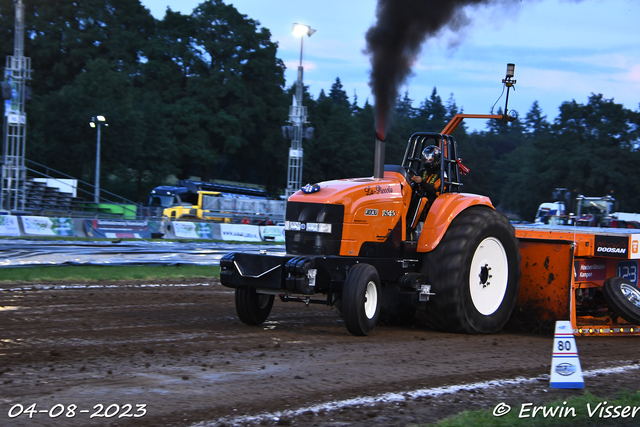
(378, 151)
(378, 161)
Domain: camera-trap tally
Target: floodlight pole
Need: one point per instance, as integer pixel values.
(297, 117)
(97, 121)
(96, 197)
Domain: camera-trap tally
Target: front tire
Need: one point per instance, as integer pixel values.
(623, 298)
(253, 308)
(474, 273)
(361, 299)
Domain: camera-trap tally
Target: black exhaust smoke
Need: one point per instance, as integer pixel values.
(394, 43)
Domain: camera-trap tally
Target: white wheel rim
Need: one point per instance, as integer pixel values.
(370, 300)
(631, 293)
(489, 276)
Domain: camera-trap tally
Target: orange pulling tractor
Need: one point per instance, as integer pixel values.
(356, 243)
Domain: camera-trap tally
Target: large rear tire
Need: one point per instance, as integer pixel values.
(474, 272)
(623, 298)
(361, 299)
(253, 308)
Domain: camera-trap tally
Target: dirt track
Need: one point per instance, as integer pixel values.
(182, 352)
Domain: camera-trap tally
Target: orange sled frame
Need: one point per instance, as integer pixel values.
(564, 269)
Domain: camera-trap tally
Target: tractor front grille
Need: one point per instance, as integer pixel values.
(313, 228)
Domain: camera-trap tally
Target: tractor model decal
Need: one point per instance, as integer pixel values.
(377, 189)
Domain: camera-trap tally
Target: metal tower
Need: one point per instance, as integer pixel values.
(298, 118)
(16, 73)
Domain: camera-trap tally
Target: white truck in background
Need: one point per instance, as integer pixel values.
(549, 210)
(587, 212)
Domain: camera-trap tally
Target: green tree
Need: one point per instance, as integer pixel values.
(366, 133)
(597, 143)
(170, 58)
(432, 113)
(403, 125)
(237, 82)
(134, 145)
(206, 87)
(339, 149)
(337, 93)
(536, 123)
(525, 184)
(62, 37)
(590, 149)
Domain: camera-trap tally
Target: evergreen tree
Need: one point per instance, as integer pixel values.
(403, 125)
(589, 150)
(433, 113)
(342, 146)
(338, 94)
(535, 122)
(451, 108)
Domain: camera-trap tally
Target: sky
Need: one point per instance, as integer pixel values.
(564, 50)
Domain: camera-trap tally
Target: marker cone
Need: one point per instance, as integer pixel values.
(565, 364)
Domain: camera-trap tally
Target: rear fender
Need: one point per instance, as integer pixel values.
(444, 210)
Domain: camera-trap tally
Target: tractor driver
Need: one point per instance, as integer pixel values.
(428, 177)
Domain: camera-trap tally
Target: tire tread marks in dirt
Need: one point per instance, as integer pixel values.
(150, 337)
(620, 304)
(253, 308)
(353, 299)
(447, 270)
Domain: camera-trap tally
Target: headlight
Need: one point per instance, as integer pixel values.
(292, 225)
(319, 227)
(314, 227)
(324, 228)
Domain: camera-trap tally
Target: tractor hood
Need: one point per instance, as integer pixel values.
(356, 192)
(351, 211)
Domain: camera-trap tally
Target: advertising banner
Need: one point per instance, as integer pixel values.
(240, 232)
(9, 226)
(112, 229)
(45, 226)
(611, 246)
(272, 233)
(192, 230)
(590, 270)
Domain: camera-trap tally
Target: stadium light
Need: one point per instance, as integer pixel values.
(297, 117)
(97, 121)
(300, 30)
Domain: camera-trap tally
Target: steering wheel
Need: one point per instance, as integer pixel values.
(413, 184)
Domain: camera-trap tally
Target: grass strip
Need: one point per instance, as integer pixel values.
(105, 273)
(126, 239)
(586, 410)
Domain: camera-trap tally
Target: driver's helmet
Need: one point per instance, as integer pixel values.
(431, 156)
